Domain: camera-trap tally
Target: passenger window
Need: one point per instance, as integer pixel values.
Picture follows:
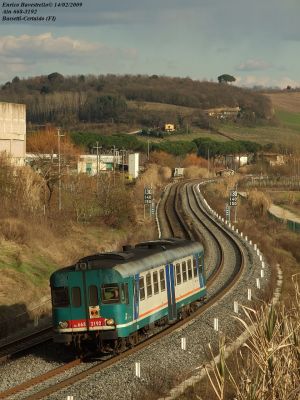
(149, 285)
(189, 265)
(178, 274)
(142, 288)
(155, 283)
(93, 295)
(195, 268)
(60, 297)
(76, 297)
(124, 293)
(110, 293)
(184, 275)
(162, 280)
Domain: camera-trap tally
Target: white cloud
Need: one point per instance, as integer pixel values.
(266, 81)
(253, 65)
(46, 45)
(27, 54)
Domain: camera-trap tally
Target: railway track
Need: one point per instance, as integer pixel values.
(14, 347)
(185, 216)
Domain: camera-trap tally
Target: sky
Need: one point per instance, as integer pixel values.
(256, 41)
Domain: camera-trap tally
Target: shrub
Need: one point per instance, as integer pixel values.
(259, 201)
(14, 230)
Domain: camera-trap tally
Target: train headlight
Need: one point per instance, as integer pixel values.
(110, 322)
(63, 324)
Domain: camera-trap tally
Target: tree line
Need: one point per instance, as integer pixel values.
(104, 98)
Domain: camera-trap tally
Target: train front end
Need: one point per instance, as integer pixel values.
(86, 305)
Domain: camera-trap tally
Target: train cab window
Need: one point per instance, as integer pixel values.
(200, 263)
(60, 297)
(195, 268)
(142, 288)
(184, 274)
(155, 282)
(93, 295)
(124, 293)
(178, 274)
(110, 293)
(149, 285)
(189, 266)
(76, 297)
(162, 280)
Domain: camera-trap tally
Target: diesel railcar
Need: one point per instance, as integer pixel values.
(107, 300)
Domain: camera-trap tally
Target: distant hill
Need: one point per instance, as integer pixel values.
(67, 100)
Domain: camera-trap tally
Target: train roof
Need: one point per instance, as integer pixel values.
(143, 256)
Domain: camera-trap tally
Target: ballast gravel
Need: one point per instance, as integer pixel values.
(161, 362)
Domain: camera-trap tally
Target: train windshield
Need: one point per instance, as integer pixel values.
(60, 297)
(110, 293)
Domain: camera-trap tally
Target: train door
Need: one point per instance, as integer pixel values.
(136, 290)
(201, 270)
(92, 299)
(84, 297)
(78, 316)
(172, 314)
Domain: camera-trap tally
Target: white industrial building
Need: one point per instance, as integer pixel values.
(133, 165)
(13, 131)
(91, 163)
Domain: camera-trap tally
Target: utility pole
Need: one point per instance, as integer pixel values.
(59, 135)
(148, 147)
(208, 162)
(123, 151)
(98, 155)
(114, 149)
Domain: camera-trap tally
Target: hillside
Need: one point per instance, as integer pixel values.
(70, 100)
(287, 101)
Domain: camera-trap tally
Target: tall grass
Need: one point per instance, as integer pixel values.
(268, 366)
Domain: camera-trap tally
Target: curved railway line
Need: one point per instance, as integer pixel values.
(181, 214)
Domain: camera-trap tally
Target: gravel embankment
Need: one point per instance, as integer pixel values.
(165, 359)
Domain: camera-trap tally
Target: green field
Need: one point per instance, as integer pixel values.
(289, 119)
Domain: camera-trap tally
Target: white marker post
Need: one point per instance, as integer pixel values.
(249, 294)
(138, 369)
(183, 343)
(216, 324)
(236, 307)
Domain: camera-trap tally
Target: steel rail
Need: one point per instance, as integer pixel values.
(108, 363)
